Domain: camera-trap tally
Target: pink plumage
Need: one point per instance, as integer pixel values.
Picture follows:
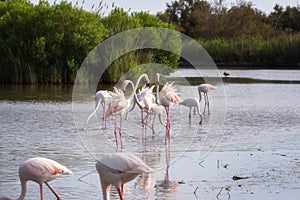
(167, 97)
(117, 169)
(40, 170)
(205, 88)
(119, 104)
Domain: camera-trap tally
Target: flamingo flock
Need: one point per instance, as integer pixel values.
(117, 168)
(150, 104)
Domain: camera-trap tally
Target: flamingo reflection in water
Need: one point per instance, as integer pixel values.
(166, 187)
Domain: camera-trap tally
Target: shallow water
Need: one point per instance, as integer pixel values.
(252, 132)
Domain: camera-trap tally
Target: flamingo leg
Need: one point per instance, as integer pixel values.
(52, 190)
(41, 191)
(142, 116)
(121, 192)
(103, 115)
(190, 116)
(115, 131)
(167, 136)
(120, 131)
(205, 102)
(146, 119)
(208, 111)
(153, 124)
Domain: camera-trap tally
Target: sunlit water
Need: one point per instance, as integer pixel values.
(258, 139)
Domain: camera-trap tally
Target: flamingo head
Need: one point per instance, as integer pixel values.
(147, 80)
(65, 170)
(124, 85)
(157, 78)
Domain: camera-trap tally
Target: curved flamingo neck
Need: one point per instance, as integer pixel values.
(22, 195)
(105, 190)
(130, 98)
(136, 85)
(157, 94)
(24, 189)
(160, 120)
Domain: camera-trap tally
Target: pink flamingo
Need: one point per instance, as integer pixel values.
(119, 104)
(144, 99)
(101, 97)
(205, 88)
(117, 169)
(146, 102)
(166, 97)
(154, 110)
(39, 170)
(192, 103)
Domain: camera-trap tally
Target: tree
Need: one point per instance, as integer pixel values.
(43, 43)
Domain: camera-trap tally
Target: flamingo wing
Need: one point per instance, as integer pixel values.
(124, 162)
(43, 169)
(206, 87)
(116, 107)
(169, 93)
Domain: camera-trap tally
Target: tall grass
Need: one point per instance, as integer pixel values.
(283, 50)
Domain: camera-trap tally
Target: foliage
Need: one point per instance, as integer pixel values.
(276, 51)
(41, 44)
(118, 21)
(240, 34)
(46, 44)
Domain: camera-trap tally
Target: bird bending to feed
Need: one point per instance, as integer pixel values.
(117, 169)
(144, 99)
(205, 88)
(39, 170)
(101, 98)
(192, 103)
(167, 97)
(119, 104)
(154, 110)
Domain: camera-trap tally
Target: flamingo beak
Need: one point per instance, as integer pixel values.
(200, 120)
(148, 82)
(66, 171)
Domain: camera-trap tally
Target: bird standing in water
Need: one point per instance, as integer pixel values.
(205, 88)
(117, 169)
(167, 97)
(119, 104)
(40, 170)
(101, 98)
(192, 103)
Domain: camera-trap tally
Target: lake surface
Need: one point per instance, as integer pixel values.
(252, 133)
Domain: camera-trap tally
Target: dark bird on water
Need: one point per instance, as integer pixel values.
(226, 74)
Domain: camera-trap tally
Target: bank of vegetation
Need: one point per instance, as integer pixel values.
(240, 35)
(46, 44)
